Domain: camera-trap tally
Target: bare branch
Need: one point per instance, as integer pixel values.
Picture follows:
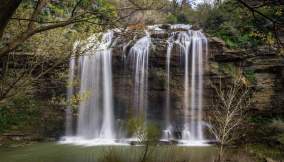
(227, 113)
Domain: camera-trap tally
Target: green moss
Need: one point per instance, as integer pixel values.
(250, 75)
(228, 68)
(258, 119)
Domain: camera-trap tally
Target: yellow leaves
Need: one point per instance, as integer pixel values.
(256, 34)
(245, 81)
(57, 101)
(279, 12)
(73, 101)
(74, 83)
(270, 40)
(79, 97)
(267, 38)
(241, 77)
(53, 45)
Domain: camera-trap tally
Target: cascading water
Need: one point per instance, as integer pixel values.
(167, 132)
(69, 112)
(193, 47)
(139, 57)
(96, 118)
(192, 43)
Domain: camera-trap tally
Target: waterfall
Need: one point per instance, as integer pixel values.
(192, 44)
(139, 57)
(69, 112)
(96, 121)
(193, 48)
(167, 132)
(96, 118)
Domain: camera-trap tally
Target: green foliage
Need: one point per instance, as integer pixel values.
(179, 18)
(250, 75)
(280, 138)
(100, 14)
(19, 114)
(247, 75)
(175, 13)
(268, 130)
(264, 152)
(147, 133)
(236, 26)
(53, 46)
(278, 126)
(153, 133)
(135, 126)
(259, 119)
(229, 22)
(228, 68)
(172, 19)
(182, 18)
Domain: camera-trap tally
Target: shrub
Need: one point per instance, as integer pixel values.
(250, 75)
(19, 114)
(277, 124)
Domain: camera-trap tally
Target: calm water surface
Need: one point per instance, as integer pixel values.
(52, 152)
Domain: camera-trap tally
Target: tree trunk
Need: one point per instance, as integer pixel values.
(145, 153)
(221, 153)
(7, 9)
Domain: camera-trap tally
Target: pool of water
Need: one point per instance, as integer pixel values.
(53, 152)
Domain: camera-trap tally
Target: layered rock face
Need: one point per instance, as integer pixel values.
(157, 76)
(264, 69)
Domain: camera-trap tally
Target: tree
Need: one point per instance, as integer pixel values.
(94, 12)
(141, 11)
(34, 30)
(269, 10)
(227, 113)
(146, 133)
(20, 71)
(44, 31)
(240, 27)
(7, 9)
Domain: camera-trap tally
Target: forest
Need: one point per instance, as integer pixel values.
(142, 80)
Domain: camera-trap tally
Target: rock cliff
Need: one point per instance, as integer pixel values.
(262, 67)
